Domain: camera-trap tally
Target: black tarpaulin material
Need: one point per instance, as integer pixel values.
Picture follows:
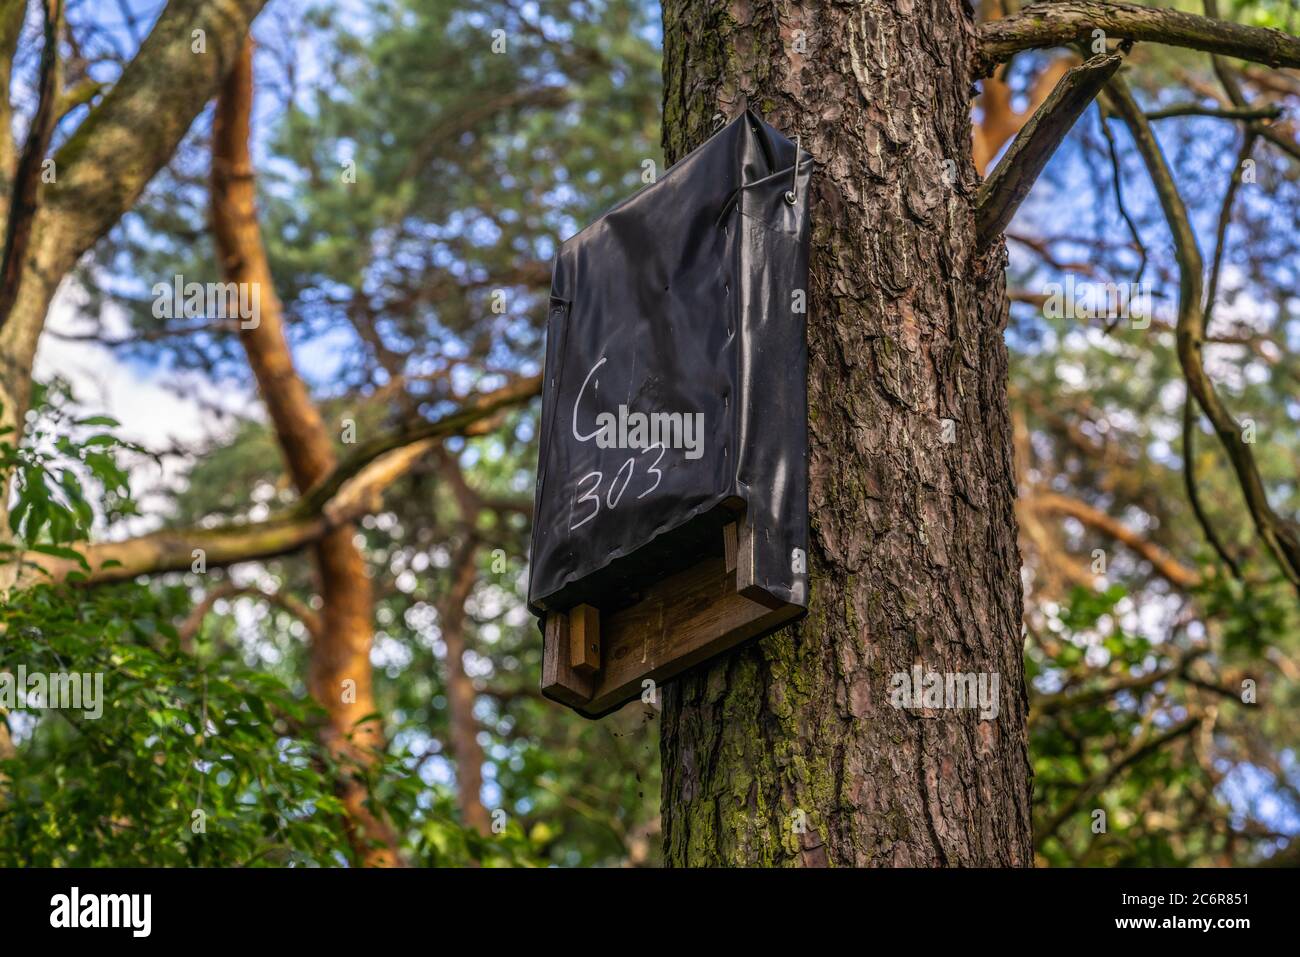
(675, 395)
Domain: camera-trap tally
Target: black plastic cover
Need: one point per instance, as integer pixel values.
(675, 394)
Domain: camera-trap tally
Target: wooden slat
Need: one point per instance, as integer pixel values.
(746, 578)
(729, 547)
(680, 622)
(584, 639)
(595, 661)
(559, 681)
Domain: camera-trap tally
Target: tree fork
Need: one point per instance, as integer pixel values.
(788, 751)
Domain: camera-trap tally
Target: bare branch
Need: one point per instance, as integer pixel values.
(1228, 80)
(349, 491)
(1193, 490)
(470, 420)
(1072, 700)
(1190, 414)
(1002, 193)
(1052, 24)
(189, 628)
(1222, 113)
(999, 120)
(1134, 754)
(216, 327)
(1165, 564)
(1279, 535)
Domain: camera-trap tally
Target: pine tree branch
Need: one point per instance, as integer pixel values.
(1073, 700)
(1165, 564)
(1058, 23)
(25, 196)
(1007, 186)
(1271, 112)
(351, 490)
(134, 130)
(1134, 754)
(189, 628)
(1280, 535)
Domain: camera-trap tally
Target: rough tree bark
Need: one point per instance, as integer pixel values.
(340, 673)
(789, 751)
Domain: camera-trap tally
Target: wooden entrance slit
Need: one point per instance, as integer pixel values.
(595, 662)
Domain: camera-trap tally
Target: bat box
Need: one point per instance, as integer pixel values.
(671, 518)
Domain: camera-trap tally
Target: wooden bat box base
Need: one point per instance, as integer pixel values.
(595, 662)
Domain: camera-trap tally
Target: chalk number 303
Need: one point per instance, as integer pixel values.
(617, 485)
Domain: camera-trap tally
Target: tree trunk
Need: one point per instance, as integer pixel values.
(465, 748)
(789, 751)
(100, 171)
(340, 676)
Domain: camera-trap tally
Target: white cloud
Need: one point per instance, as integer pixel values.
(157, 410)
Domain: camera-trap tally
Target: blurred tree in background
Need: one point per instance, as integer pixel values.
(1139, 636)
